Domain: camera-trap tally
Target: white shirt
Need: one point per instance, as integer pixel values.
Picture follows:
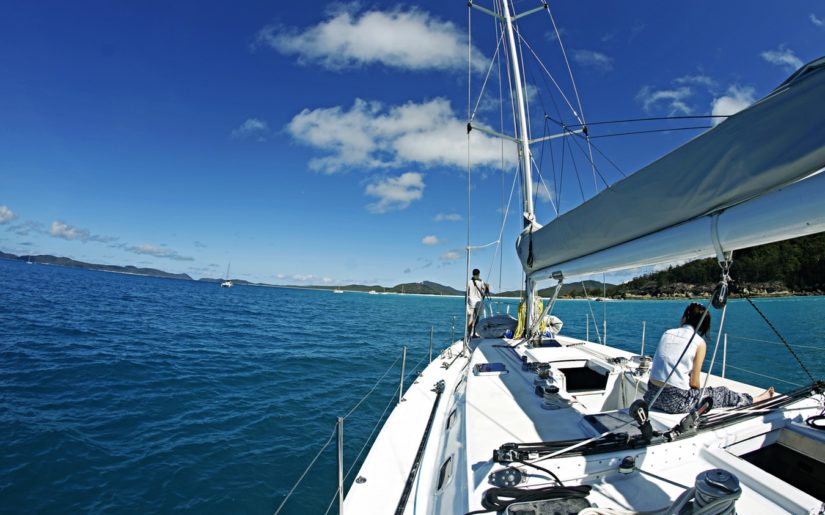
(670, 348)
(475, 289)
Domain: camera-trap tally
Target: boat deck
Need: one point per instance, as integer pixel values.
(490, 399)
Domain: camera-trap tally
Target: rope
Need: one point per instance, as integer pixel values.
(787, 345)
(329, 440)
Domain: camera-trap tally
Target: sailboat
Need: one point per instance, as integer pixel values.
(557, 424)
(227, 282)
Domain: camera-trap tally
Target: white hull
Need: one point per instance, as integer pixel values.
(492, 410)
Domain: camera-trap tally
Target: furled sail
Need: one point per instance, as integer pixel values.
(668, 210)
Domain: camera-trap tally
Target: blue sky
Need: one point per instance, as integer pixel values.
(325, 145)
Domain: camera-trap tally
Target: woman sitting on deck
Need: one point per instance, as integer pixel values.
(681, 393)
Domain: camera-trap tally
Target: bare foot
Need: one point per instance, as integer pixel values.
(767, 394)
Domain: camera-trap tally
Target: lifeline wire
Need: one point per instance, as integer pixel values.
(331, 436)
(788, 345)
(372, 389)
(363, 447)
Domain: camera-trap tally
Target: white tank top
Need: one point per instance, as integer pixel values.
(670, 348)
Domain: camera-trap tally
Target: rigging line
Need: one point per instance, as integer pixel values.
(523, 84)
(590, 306)
(549, 196)
(503, 223)
(331, 436)
(576, 169)
(652, 119)
(478, 247)
(371, 389)
(393, 399)
(608, 159)
(776, 343)
(552, 79)
(566, 62)
(715, 348)
(776, 331)
(472, 114)
(630, 133)
(575, 91)
(592, 163)
(763, 375)
(505, 210)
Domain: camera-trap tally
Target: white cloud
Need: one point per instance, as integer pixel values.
(542, 192)
(450, 255)
(60, 229)
(673, 101)
(160, 251)
(252, 128)
(368, 135)
(697, 80)
(431, 240)
(784, 57)
(69, 232)
(395, 193)
(6, 215)
(592, 59)
(406, 39)
(817, 21)
(736, 99)
(448, 217)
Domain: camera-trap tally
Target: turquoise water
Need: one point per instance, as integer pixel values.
(136, 394)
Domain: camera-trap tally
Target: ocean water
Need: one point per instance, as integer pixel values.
(138, 395)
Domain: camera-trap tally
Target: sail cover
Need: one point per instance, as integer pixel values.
(774, 142)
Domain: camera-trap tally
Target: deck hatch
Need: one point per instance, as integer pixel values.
(581, 379)
(490, 369)
(795, 468)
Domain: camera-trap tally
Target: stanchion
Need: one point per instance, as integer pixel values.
(403, 365)
(340, 465)
(431, 345)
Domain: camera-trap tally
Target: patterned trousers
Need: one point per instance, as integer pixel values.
(676, 400)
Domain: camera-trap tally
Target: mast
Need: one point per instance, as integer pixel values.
(523, 141)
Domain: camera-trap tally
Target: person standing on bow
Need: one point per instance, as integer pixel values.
(676, 372)
(477, 290)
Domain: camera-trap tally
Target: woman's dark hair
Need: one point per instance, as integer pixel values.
(693, 314)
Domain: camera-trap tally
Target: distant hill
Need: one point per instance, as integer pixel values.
(71, 263)
(792, 267)
(422, 288)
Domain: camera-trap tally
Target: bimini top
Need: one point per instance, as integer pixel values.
(771, 144)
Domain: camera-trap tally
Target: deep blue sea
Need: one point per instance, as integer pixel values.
(122, 393)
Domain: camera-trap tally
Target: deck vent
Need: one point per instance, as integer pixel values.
(445, 474)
